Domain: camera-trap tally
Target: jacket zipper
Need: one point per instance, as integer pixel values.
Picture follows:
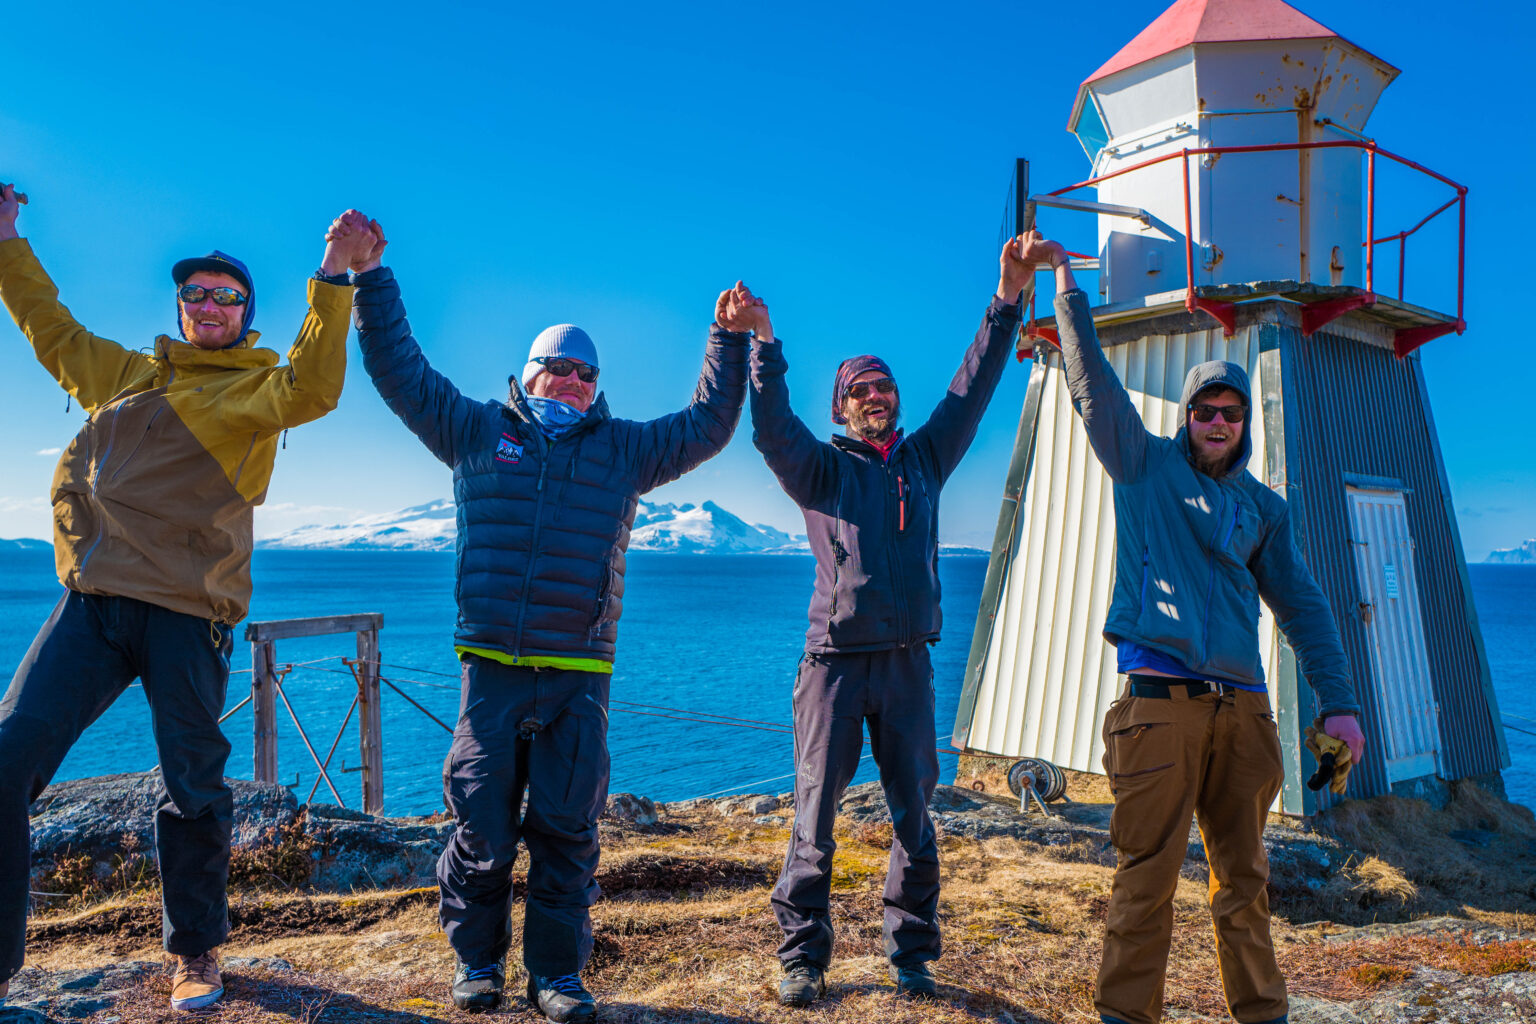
(96, 479)
(898, 584)
(901, 492)
(147, 427)
(533, 551)
(1210, 591)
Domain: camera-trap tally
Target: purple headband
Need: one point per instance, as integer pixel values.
(850, 369)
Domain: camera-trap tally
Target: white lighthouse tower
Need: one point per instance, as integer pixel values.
(1236, 213)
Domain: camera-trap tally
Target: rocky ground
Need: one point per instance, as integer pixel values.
(1397, 912)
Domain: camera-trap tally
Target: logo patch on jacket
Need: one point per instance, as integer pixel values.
(508, 449)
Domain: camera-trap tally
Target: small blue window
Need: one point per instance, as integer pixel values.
(1090, 130)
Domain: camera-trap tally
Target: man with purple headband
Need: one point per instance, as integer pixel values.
(871, 502)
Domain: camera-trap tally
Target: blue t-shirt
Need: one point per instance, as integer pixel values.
(1132, 657)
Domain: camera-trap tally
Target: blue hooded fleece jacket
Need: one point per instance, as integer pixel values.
(1193, 553)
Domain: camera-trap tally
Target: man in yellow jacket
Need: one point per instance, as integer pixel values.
(152, 507)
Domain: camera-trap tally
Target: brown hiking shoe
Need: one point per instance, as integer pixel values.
(5, 990)
(196, 982)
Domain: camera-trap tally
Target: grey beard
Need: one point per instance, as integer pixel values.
(878, 436)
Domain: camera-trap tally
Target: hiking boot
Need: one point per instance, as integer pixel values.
(563, 1000)
(804, 982)
(478, 988)
(915, 981)
(196, 982)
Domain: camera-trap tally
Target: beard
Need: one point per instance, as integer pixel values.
(878, 432)
(1216, 466)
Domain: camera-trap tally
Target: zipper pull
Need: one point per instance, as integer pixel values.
(901, 492)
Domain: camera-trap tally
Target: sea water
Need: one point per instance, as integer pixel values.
(701, 636)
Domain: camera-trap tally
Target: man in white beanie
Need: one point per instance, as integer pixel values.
(547, 485)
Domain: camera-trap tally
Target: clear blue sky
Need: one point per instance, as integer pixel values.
(616, 165)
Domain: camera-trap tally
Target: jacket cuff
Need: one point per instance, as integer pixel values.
(13, 249)
(1001, 310)
(725, 337)
(376, 276)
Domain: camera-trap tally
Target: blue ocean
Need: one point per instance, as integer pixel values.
(704, 638)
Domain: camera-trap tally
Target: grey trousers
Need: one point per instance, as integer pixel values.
(87, 653)
(835, 694)
(543, 733)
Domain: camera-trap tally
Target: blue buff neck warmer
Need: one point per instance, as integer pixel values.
(555, 417)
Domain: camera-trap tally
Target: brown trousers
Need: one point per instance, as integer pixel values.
(1217, 758)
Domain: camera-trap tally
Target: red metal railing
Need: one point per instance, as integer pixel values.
(1319, 313)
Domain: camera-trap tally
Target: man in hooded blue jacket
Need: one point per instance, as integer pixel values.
(547, 484)
(1198, 542)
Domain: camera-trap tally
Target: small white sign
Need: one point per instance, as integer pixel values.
(1391, 571)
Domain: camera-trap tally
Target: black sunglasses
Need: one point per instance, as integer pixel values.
(1205, 413)
(560, 366)
(221, 296)
(885, 385)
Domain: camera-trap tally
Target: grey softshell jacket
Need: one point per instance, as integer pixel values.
(873, 522)
(1194, 554)
(542, 526)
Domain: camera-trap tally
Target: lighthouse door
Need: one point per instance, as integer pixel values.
(1389, 609)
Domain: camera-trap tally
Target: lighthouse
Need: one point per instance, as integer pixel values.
(1234, 194)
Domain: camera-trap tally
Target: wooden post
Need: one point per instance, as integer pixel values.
(370, 729)
(264, 710)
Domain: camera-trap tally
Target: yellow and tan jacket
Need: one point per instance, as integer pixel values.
(153, 498)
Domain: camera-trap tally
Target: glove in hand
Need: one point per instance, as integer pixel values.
(1320, 743)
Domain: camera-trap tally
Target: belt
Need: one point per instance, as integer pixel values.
(1162, 687)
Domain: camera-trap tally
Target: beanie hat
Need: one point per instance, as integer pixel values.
(219, 263)
(850, 369)
(561, 340)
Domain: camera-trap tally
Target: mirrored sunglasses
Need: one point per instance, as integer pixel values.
(559, 366)
(221, 296)
(860, 389)
(1230, 413)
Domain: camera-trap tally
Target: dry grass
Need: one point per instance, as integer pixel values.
(685, 935)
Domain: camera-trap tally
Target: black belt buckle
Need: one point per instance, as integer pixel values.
(1160, 687)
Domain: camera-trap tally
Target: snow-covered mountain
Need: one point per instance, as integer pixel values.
(1525, 554)
(705, 528)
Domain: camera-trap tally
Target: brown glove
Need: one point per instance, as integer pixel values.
(1323, 748)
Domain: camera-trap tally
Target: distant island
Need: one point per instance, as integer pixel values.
(681, 529)
(1525, 554)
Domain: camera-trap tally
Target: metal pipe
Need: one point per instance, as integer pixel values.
(1402, 262)
(1461, 263)
(1370, 219)
(302, 735)
(1189, 244)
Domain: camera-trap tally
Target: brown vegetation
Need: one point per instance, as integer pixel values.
(685, 934)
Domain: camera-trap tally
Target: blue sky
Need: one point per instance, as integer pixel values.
(617, 165)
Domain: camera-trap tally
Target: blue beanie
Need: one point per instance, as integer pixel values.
(219, 263)
(565, 340)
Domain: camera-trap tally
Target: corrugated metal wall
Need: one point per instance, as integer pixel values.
(1049, 675)
(1354, 408)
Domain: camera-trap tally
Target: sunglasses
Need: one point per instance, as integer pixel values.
(193, 293)
(559, 366)
(1205, 413)
(884, 385)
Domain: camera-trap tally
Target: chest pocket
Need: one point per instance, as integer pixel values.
(1246, 533)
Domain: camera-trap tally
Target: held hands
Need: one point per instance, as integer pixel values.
(1020, 257)
(738, 309)
(355, 242)
(10, 205)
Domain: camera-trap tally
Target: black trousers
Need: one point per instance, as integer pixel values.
(543, 733)
(87, 653)
(835, 694)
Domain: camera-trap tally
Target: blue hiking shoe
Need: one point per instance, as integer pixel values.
(478, 988)
(562, 1000)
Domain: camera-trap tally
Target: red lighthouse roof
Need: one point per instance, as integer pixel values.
(1213, 21)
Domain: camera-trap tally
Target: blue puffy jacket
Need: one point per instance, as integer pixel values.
(1194, 554)
(542, 527)
(873, 521)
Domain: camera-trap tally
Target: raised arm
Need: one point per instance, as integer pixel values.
(951, 427)
(803, 464)
(89, 367)
(1115, 429)
(668, 447)
(425, 400)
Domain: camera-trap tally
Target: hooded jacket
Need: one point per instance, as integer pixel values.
(153, 498)
(543, 526)
(873, 521)
(1195, 554)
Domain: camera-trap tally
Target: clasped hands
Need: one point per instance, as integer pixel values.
(739, 310)
(353, 242)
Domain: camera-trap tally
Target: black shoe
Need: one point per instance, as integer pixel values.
(563, 1000)
(478, 988)
(804, 983)
(914, 981)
